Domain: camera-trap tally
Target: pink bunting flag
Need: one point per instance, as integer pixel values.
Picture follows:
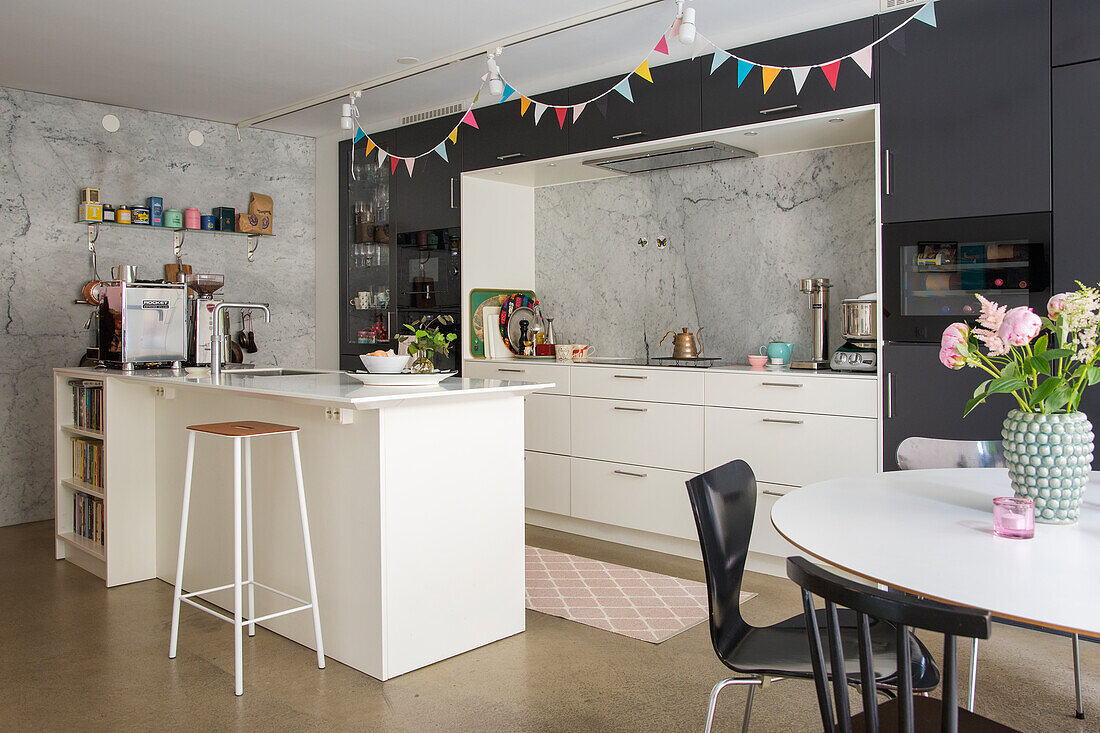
(662, 46)
(831, 70)
(577, 109)
(862, 57)
(468, 118)
(409, 163)
(675, 29)
(561, 112)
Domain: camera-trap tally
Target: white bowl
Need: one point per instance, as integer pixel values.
(384, 364)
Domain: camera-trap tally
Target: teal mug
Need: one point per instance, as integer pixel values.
(779, 352)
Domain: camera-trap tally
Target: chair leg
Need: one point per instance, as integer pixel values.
(309, 550)
(748, 710)
(713, 703)
(238, 642)
(1080, 712)
(973, 675)
(248, 535)
(183, 545)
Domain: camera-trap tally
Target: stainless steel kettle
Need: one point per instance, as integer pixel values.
(685, 345)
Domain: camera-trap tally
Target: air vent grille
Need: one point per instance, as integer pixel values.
(431, 114)
(888, 5)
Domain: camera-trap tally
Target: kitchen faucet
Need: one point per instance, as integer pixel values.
(217, 340)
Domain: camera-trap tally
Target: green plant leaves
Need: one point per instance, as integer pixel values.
(1044, 390)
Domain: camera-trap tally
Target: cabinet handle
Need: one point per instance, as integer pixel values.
(514, 371)
(625, 135)
(772, 493)
(509, 156)
(452, 193)
(889, 395)
(773, 110)
(886, 172)
(630, 473)
(780, 384)
(629, 376)
(784, 422)
(631, 409)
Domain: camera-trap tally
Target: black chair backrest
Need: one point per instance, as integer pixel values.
(724, 503)
(903, 611)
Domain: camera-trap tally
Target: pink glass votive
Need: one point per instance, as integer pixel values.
(1014, 517)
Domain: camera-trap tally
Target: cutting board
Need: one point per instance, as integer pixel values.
(480, 298)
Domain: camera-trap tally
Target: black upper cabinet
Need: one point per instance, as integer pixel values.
(665, 108)
(1076, 31)
(1076, 175)
(503, 136)
(429, 199)
(727, 105)
(965, 117)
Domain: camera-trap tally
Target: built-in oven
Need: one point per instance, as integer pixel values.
(933, 271)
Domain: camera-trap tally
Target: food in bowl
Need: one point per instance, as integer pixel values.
(384, 362)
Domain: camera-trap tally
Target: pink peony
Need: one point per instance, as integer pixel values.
(956, 333)
(1056, 304)
(951, 358)
(1019, 326)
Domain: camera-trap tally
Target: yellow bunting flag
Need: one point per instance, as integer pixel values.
(453, 137)
(643, 71)
(770, 72)
(370, 147)
(524, 103)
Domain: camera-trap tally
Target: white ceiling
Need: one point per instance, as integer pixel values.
(240, 60)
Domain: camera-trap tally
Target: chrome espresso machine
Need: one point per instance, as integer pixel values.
(142, 323)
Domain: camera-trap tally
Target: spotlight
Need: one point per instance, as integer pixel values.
(496, 84)
(687, 27)
(349, 112)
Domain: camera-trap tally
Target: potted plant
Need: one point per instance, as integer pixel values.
(1045, 363)
(425, 340)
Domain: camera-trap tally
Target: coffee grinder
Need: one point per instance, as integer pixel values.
(202, 316)
(818, 291)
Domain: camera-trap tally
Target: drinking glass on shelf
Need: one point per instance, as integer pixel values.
(1014, 517)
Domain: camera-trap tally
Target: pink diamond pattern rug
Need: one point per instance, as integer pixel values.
(635, 603)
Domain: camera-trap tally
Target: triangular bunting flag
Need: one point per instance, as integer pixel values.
(643, 71)
(662, 46)
(393, 164)
(743, 69)
(601, 105)
(897, 41)
(561, 112)
(769, 73)
(577, 109)
(623, 88)
(382, 154)
(468, 118)
(476, 96)
(359, 134)
(539, 109)
(831, 70)
(927, 14)
(675, 29)
(453, 137)
(524, 103)
(485, 76)
(370, 147)
(720, 57)
(508, 92)
(409, 163)
(862, 57)
(441, 150)
(800, 75)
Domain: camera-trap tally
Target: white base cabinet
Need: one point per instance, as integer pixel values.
(647, 499)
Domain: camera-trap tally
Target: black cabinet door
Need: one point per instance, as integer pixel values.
(923, 398)
(666, 108)
(1076, 175)
(429, 198)
(727, 105)
(1075, 32)
(965, 118)
(504, 136)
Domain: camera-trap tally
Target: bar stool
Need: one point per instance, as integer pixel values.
(242, 434)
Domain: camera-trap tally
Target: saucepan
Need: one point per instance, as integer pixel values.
(859, 318)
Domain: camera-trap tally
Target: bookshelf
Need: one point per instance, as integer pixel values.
(105, 511)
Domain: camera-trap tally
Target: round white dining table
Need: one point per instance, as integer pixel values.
(930, 533)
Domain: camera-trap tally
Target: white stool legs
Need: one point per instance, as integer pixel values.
(183, 544)
(238, 642)
(248, 535)
(308, 548)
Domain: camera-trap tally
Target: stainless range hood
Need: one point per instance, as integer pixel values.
(655, 160)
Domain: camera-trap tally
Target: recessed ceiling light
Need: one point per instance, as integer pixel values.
(499, 173)
(408, 60)
(551, 165)
(835, 120)
(750, 133)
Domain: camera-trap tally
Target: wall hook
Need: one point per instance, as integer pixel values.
(93, 235)
(177, 243)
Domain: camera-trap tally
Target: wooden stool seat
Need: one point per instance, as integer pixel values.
(243, 428)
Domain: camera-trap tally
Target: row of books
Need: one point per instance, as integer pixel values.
(88, 461)
(88, 517)
(87, 404)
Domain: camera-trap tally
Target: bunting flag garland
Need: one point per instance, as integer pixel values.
(524, 103)
(468, 118)
(800, 75)
(577, 109)
(508, 92)
(662, 46)
(743, 69)
(927, 14)
(769, 74)
(453, 137)
(393, 164)
(370, 146)
(539, 109)
(623, 88)
(601, 105)
(720, 57)
(382, 154)
(409, 162)
(643, 71)
(561, 112)
(831, 70)
(359, 134)
(863, 57)
(441, 150)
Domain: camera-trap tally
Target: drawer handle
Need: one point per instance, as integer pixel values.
(784, 422)
(780, 384)
(772, 493)
(629, 376)
(773, 110)
(509, 156)
(625, 135)
(631, 409)
(513, 371)
(630, 473)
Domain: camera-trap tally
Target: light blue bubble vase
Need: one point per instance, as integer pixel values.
(1049, 458)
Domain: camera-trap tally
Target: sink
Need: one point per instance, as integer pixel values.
(271, 372)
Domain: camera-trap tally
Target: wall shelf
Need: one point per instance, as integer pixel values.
(178, 236)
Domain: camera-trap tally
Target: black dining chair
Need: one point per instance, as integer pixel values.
(724, 503)
(907, 712)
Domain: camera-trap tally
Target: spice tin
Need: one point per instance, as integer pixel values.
(156, 210)
(108, 212)
(225, 218)
(192, 219)
(173, 219)
(207, 222)
(89, 196)
(139, 215)
(122, 214)
(90, 212)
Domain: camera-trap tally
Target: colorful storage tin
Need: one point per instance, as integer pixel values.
(173, 219)
(207, 222)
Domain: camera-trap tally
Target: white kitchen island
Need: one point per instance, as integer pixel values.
(415, 500)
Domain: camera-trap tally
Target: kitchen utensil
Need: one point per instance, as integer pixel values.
(236, 355)
(405, 379)
(778, 352)
(205, 283)
(172, 273)
(550, 331)
(515, 332)
(685, 345)
(125, 273)
(250, 347)
(92, 292)
(581, 352)
(384, 364)
(756, 360)
(817, 289)
(859, 353)
(563, 352)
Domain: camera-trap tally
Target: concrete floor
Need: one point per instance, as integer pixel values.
(76, 656)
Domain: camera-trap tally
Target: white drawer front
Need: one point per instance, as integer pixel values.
(651, 385)
(546, 423)
(765, 538)
(792, 392)
(521, 371)
(641, 433)
(791, 448)
(547, 479)
(648, 499)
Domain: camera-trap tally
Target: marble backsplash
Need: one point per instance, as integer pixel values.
(50, 147)
(741, 235)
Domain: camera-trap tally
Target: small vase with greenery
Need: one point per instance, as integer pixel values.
(425, 340)
(1045, 363)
